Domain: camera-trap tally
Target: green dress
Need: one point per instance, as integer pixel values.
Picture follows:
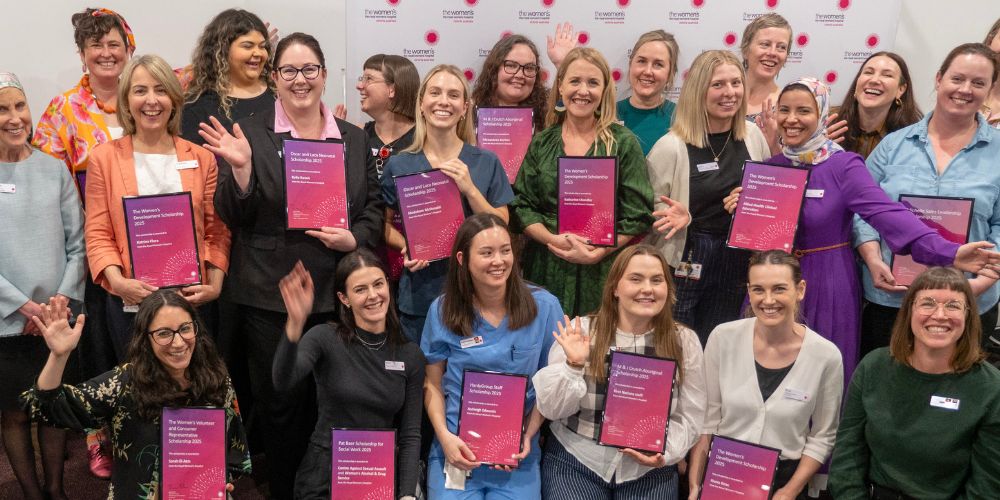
(577, 286)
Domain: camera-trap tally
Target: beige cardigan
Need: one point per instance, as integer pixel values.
(669, 173)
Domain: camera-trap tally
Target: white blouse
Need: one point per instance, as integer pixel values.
(157, 174)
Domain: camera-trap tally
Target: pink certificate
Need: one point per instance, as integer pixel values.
(491, 418)
(315, 184)
(431, 207)
(161, 239)
(637, 403)
(588, 198)
(363, 464)
(767, 213)
(507, 132)
(737, 469)
(193, 460)
(950, 217)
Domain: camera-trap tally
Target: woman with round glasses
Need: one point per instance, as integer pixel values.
(168, 365)
(251, 200)
(510, 77)
(929, 390)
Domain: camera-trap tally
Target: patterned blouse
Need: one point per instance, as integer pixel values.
(106, 400)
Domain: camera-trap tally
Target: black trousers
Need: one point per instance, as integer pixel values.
(718, 295)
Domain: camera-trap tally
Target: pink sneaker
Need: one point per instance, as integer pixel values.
(100, 462)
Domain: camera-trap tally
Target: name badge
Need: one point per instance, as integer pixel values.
(471, 341)
(707, 167)
(395, 366)
(814, 193)
(796, 395)
(374, 151)
(186, 164)
(7, 188)
(943, 402)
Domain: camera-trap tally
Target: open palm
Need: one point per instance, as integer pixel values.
(574, 342)
(54, 326)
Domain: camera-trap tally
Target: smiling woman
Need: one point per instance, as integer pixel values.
(652, 66)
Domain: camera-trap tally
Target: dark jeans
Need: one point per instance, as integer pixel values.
(718, 295)
(877, 321)
(564, 477)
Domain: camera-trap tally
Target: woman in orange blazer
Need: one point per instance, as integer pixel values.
(149, 159)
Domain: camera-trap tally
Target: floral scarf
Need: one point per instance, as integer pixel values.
(819, 147)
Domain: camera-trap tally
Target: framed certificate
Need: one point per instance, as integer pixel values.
(637, 404)
(738, 469)
(363, 464)
(491, 419)
(767, 213)
(193, 453)
(507, 132)
(315, 184)
(162, 246)
(950, 217)
(588, 198)
(430, 205)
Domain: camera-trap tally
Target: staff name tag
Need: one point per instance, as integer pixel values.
(946, 403)
(796, 394)
(395, 365)
(814, 193)
(7, 188)
(707, 167)
(471, 341)
(187, 164)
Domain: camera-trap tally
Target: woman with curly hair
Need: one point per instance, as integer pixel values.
(232, 72)
(510, 77)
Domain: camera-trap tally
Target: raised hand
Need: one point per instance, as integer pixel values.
(575, 343)
(234, 147)
(673, 218)
(297, 293)
(836, 131)
(340, 111)
(559, 45)
(54, 326)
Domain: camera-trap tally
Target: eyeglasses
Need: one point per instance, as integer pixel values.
(309, 72)
(165, 336)
(512, 67)
(366, 80)
(930, 306)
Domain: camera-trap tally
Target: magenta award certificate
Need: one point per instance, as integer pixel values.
(737, 469)
(193, 464)
(588, 198)
(950, 217)
(767, 213)
(431, 207)
(161, 241)
(315, 184)
(507, 132)
(363, 463)
(637, 404)
(491, 418)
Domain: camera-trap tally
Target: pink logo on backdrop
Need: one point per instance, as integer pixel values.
(802, 40)
(623, 3)
(830, 76)
(431, 37)
(771, 4)
(548, 3)
(698, 3)
(469, 74)
(872, 40)
(616, 74)
(684, 74)
(393, 2)
(729, 39)
(505, 34)
(545, 75)
(471, 2)
(583, 38)
(843, 4)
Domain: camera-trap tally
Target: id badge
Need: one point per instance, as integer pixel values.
(695, 273)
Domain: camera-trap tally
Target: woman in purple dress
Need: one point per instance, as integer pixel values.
(840, 186)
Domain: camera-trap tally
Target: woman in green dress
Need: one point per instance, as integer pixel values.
(581, 121)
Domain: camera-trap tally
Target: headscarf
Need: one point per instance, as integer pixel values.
(10, 80)
(129, 36)
(819, 147)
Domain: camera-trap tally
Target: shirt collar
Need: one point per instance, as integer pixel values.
(984, 133)
(283, 124)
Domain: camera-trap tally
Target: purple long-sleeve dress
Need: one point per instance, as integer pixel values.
(839, 188)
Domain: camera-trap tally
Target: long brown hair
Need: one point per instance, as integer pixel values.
(902, 113)
(604, 324)
(152, 387)
(484, 92)
(458, 303)
(967, 350)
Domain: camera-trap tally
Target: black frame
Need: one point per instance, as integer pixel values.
(284, 181)
(968, 222)
(670, 400)
(739, 203)
(614, 191)
(402, 213)
(194, 235)
(395, 455)
(162, 457)
(524, 404)
(531, 123)
(708, 462)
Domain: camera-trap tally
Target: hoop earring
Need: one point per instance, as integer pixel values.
(899, 102)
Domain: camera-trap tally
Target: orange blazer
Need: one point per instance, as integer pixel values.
(111, 175)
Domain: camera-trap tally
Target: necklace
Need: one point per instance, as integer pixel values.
(383, 154)
(107, 108)
(723, 150)
(371, 346)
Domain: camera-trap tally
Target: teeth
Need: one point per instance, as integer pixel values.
(442, 113)
(14, 131)
(873, 92)
(152, 113)
(769, 64)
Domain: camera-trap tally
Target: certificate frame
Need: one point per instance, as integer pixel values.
(130, 235)
(909, 265)
(736, 222)
(285, 177)
(506, 161)
(451, 229)
(164, 479)
(561, 218)
(521, 421)
(333, 464)
(709, 465)
(617, 354)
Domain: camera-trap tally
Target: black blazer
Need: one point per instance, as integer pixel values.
(263, 251)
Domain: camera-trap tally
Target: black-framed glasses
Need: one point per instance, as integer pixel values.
(512, 67)
(309, 72)
(165, 336)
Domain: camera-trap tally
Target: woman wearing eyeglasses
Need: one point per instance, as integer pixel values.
(510, 77)
(251, 200)
(169, 363)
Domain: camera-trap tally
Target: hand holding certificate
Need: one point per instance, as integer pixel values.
(161, 240)
(737, 469)
(767, 212)
(315, 184)
(950, 217)
(588, 198)
(507, 132)
(491, 419)
(637, 403)
(363, 463)
(193, 447)
(430, 205)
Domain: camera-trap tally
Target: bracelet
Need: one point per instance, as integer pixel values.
(575, 365)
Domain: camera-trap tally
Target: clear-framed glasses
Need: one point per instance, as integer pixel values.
(366, 80)
(165, 336)
(512, 67)
(309, 72)
(929, 306)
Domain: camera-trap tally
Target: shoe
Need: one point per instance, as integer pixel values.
(100, 462)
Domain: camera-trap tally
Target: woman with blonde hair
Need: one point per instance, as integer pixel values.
(764, 46)
(652, 66)
(582, 122)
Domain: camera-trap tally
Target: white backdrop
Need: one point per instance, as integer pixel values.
(41, 51)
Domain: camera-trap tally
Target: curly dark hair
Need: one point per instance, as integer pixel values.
(152, 387)
(901, 114)
(87, 26)
(210, 60)
(485, 89)
(359, 259)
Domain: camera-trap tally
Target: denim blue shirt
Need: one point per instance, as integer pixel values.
(904, 163)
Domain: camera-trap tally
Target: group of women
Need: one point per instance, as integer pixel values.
(307, 321)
